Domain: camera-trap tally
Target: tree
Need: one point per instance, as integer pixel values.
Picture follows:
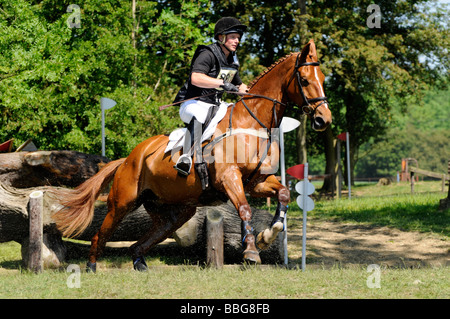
(52, 75)
(423, 133)
(375, 70)
(369, 71)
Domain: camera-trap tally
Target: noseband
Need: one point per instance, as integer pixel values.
(307, 106)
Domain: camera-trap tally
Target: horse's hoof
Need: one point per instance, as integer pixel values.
(91, 267)
(252, 257)
(139, 264)
(260, 243)
(278, 227)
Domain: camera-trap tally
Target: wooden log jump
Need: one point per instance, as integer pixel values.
(441, 176)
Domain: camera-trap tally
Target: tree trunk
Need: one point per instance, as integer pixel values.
(331, 168)
(301, 140)
(57, 168)
(14, 217)
(302, 6)
(14, 226)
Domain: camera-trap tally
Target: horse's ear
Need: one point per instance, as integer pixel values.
(309, 53)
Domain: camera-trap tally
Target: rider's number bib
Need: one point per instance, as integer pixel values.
(227, 75)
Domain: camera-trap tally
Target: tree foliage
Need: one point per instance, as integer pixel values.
(423, 134)
(52, 76)
(370, 72)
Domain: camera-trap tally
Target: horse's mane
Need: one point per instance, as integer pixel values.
(259, 77)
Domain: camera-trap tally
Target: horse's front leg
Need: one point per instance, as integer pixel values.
(271, 187)
(232, 183)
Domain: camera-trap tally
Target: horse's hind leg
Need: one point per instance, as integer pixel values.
(114, 216)
(121, 200)
(165, 220)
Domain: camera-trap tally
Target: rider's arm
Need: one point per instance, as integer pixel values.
(204, 81)
(202, 65)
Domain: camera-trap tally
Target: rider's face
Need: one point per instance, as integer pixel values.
(232, 41)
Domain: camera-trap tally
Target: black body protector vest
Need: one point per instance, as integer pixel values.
(221, 70)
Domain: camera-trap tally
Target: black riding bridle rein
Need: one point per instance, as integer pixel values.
(307, 108)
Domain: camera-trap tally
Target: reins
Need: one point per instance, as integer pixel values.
(229, 92)
(306, 108)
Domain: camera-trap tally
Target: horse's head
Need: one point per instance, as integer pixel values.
(305, 87)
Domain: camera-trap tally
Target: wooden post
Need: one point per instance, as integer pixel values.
(35, 207)
(412, 182)
(214, 241)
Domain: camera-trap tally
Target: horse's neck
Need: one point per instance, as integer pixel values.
(270, 85)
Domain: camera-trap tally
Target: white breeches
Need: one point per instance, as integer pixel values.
(194, 108)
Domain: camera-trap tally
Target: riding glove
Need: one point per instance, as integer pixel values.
(227, 86)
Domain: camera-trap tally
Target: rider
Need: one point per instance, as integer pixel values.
(214, 68)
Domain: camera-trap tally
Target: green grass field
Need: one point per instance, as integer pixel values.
(230, 283)
(115, 279)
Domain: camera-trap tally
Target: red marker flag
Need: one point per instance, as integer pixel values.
(298, 171)
(7, 146)
(342, 136)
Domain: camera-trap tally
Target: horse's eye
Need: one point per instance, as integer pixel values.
(304, 81)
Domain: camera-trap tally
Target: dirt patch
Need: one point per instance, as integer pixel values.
(336, 243)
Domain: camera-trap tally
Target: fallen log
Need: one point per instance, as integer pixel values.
(14, 222)
(14, 226)
(57, 168)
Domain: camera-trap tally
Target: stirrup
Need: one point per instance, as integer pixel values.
(184, 164)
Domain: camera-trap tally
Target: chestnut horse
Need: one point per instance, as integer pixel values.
(147, 175)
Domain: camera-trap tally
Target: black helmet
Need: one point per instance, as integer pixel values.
(228, 25)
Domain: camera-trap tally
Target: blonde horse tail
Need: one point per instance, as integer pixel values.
(78, 204)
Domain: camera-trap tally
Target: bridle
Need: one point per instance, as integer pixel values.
(306, 107)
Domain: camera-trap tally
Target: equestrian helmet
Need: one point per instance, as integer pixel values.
(228, 25)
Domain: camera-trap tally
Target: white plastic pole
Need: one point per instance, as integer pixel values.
(304, 196)
(105, 104)
(283, 181)
(103, 132)
(287, 124)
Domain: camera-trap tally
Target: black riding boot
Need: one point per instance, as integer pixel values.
(193, 145)
(184, 163)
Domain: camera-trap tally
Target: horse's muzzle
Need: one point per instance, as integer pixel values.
(319, 123)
